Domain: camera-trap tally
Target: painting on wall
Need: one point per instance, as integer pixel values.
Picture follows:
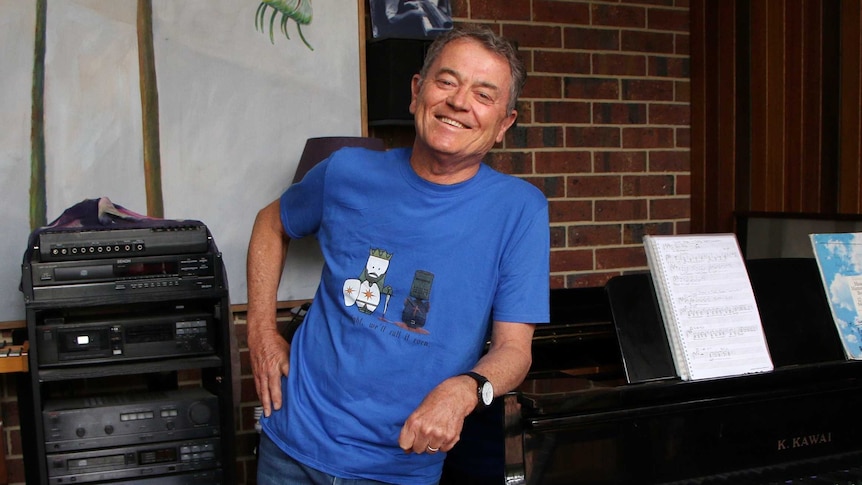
(183, 110)
(409, 19)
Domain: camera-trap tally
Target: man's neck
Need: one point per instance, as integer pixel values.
(443, 170)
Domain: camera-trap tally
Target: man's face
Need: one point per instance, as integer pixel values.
(461, 107)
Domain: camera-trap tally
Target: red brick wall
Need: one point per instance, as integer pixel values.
(603, 125)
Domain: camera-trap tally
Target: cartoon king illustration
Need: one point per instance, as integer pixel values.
(366, 291)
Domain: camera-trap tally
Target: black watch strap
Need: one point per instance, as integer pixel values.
(484, 389)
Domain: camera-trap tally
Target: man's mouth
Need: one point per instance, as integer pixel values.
(451, 122)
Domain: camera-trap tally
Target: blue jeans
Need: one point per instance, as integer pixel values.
(275, 467)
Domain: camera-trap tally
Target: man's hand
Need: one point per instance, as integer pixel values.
(270, 360)
(268, 350)
(436, 424)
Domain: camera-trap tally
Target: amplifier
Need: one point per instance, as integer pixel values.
(59, 342)
(73, 245)
(126, 419)
(205, 477)
(122, 276)
(137, 461)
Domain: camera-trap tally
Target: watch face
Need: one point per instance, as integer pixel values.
(487, 394)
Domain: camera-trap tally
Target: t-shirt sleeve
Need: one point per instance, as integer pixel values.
(523, 292)
(301, 205)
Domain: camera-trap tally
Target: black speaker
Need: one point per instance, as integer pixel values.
(390, 65)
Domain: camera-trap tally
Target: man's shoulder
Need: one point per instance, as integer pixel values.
(516, 186)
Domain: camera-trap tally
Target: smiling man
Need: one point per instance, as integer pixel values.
(450, 254)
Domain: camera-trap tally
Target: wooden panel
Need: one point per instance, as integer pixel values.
(698, 113)
(851, 97)
(807, 188)
(793, 101)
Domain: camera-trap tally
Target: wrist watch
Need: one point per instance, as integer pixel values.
(485, 391)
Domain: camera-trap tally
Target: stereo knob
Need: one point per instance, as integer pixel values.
(109, 429)
(80, 432)
(199, 413)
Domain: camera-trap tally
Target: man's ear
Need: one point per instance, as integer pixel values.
(415, 87)
(506, 124)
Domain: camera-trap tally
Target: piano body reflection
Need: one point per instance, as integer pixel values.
(603, 404)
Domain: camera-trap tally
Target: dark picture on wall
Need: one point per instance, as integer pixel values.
(410, 19)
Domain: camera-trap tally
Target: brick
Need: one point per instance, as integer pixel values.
(666, 3)
(565, 12)
(683, 137)
(591, 39)
(612, 258)
(618, 15)
(592, 136)
(572, 260)
(594, 235)
(648, 137)
(648, 185)
(670, 208)
(459, 8)
(561, 62)
(543, 87)
(635, 232)
(535, 36)
(497, 11)
(565, 162)
(510, 162)
(645, 41)
(683, 184)
(593, 186)
(619, 65)
(525, 113)
(570, 210)
(683, 44)
(668, 19)
(534, 137)
(682, 90)
(561, 112)
(591, 88)
(628, 161)
(558, 237)
(669, 161)
(552, 187)
(669, 114)
(558, 281)
(619, 113)
(589, 280)
(621, 210)
(663, 66)
(647, 90)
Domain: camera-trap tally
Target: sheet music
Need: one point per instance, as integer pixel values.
(708, 305)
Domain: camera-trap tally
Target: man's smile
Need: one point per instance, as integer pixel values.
(450, 121)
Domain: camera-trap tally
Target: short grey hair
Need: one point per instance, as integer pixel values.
(489, 40)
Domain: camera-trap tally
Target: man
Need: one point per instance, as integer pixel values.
(428, 253)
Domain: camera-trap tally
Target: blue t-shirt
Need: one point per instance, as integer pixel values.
(414, 273)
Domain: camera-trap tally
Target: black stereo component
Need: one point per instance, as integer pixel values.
(204, 477)
(125, 419)
(66, 245)
(122, 276)
(135, 461)
(60, 342)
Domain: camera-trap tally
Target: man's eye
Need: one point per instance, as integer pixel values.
(485, 97)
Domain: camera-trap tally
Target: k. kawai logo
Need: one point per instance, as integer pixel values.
(803, 441)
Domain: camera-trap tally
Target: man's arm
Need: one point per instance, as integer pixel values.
(269, 352)
(438, 420)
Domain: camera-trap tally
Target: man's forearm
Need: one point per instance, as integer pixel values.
(266, 255)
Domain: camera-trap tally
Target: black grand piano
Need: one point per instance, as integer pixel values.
(603, 404)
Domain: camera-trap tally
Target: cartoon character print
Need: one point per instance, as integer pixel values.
(365, 292)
